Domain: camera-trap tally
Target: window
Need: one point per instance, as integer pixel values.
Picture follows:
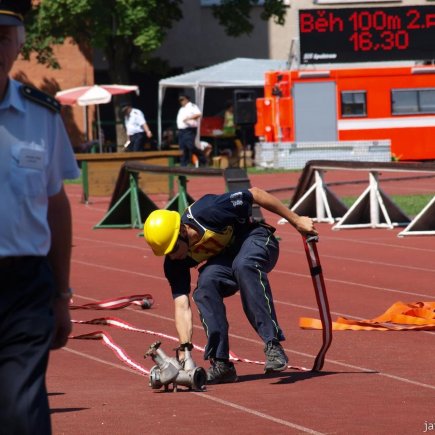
(343, 2)
(353, 103)
(217, 2)
(412, 101)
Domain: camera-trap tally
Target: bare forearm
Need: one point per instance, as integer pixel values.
(271, 203)
(59, 219)
(183, 319)
(147, 130)
(193, 117)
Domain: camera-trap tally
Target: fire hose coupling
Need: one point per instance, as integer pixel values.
(172, 371)
(147, 302)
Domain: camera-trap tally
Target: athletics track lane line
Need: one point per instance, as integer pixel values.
(301, 275)
(290, 251)
(207, 396)
(364, 242)
(331, 361)
(371, 262)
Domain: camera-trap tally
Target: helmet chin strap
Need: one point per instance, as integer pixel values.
(184, 239)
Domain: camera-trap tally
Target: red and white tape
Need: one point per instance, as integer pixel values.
(122, 302)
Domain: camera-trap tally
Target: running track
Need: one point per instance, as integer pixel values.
(373, 382)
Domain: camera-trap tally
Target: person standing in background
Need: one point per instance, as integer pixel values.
(136, 127)
(35, 236)
(229, 126)
(187, 123)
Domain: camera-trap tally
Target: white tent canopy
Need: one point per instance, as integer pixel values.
(236, 73)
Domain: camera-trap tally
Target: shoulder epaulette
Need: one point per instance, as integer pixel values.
(41, 98)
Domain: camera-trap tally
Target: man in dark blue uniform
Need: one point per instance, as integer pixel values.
(234, 253)
(35, 237)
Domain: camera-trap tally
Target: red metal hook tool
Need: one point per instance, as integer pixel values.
(321, 297)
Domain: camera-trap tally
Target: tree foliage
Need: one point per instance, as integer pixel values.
(235, 15)
(127, 31)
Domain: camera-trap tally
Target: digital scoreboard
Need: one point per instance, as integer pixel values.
(367, 34)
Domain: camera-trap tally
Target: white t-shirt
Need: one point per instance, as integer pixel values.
(186, 111)
(134, 122)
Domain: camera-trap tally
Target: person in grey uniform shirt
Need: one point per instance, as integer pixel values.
(35, 236)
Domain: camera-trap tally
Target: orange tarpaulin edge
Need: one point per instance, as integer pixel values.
(415, 316)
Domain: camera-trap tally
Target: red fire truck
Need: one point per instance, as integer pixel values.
(310, 105)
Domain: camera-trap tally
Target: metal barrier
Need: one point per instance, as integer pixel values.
(372, 209)
(99, 171)
(130, 206)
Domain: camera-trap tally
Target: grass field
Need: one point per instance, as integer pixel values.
(410, 204)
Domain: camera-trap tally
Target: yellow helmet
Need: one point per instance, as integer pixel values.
(161, 231)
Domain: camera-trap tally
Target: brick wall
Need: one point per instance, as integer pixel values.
(76, 70)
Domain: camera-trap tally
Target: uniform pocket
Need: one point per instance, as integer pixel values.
(26, 173)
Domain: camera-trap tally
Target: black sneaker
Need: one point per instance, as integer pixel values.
(221, 372)
(276, 359)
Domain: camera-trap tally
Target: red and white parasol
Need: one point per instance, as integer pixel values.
(96, 94)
